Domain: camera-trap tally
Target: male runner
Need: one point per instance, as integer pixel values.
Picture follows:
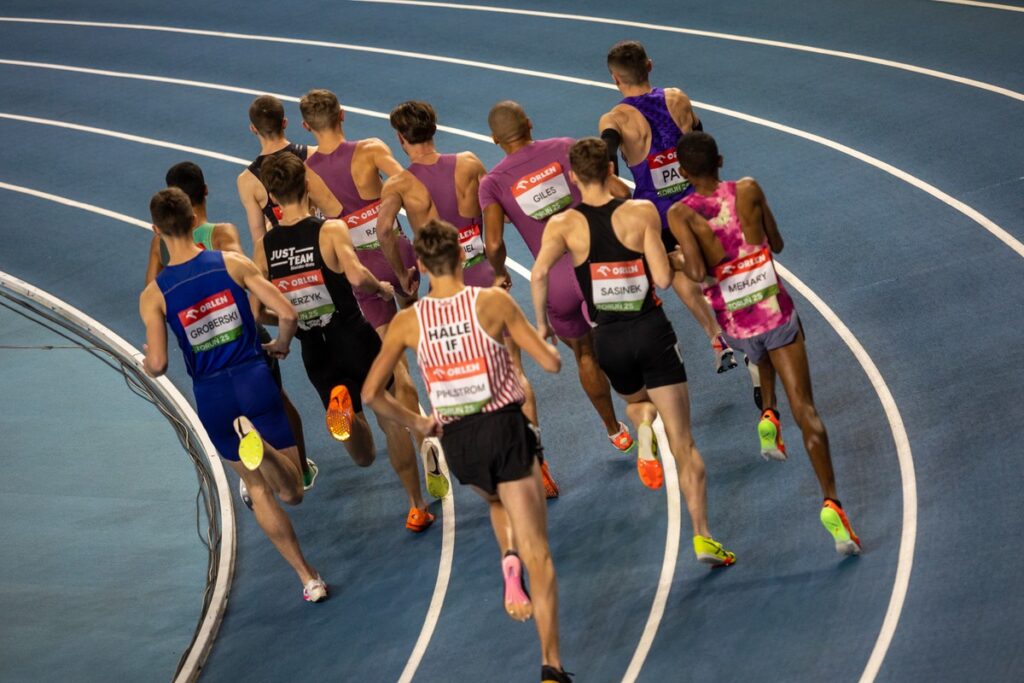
(313, 262)
(444, 186)
(732, 232)
(647, 124)
(528, 186)
(456, 333)
(203, 296)
(188, 177)
(617, 255)
(268, 123)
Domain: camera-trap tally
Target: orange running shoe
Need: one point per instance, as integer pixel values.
(621, 439)
(418, 520)
(835, 522)
(550, 487)
(647, 464)
(339, 413)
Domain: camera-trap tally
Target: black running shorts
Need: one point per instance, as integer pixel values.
(340, 353)
(486, 449)
(275, 367)
(638, 353)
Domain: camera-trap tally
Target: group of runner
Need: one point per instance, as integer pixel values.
(332, 267)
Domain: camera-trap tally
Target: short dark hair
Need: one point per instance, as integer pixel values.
(698, 154)
(319, 108)
(437, 246)
(188, 177)
(285, 177)
(589, 160)
(172, 212)
(416, 121)
(629, 59)
(266, 114)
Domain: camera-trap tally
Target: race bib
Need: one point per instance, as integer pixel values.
(620, 286)
(747, 280)
(472, 243)
(212, 322)
(309, 296)
(362, 226)
(665, 173)
(543, 192)
(461, 388)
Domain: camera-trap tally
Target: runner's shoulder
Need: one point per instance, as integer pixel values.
(749, 188)
(469, 160)
(373, 146)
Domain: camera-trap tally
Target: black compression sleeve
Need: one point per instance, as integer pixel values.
(612, 138)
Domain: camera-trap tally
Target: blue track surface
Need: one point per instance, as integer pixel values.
(926, 290)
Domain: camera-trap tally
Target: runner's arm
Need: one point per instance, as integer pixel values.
(321, 196)
(151, 310)
(611, 133)
(247, 274)
(263, 315)
(521, 331)
(680, 218)
(390, 205)
(494, 242)
(384, 159)
(226, 238)
(356, 273)
(748, 190)
(654, 248)
(552, 247)
(253, 211)
(401, 335)
(153, 267)
(681, 109)
(618, 187)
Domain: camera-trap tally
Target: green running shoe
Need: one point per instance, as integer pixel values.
(770, 432)
(835, 522)
(710, 551)
(309, 474)
(437, 483)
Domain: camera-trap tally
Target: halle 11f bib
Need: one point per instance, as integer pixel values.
(619, 286)
(212, 322)
(543, 192)
(460, 388)
(748, 280)
(665, 173)
(472, 243)
(309, 296)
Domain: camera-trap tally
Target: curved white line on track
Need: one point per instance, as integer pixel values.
(934, 73)
(987, 5)
(904, 454)
(208, 628)
(991, 226)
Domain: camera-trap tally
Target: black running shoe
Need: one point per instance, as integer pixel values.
(549, 674)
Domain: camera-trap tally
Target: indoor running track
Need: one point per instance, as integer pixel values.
(897, 183)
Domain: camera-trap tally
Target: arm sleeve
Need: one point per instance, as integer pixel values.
(612, 138)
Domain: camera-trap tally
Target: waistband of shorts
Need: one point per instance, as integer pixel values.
(511, 408)
(232, 370)
(616, 325)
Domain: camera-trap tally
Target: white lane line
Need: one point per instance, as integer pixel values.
(899, 436)
(976, 216)
(988, 5)
(92, 208)
(981, 85)
(207, 630)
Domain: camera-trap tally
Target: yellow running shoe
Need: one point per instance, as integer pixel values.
(710, 551)
(834, 520)
(437, 483)
(339, 413)
(250, 445)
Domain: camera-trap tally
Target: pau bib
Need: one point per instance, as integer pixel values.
(747, 280)
(619, 286)
(543, 192)
(472, 243)
(309, 296)
(665, 173)
(212, 322)
(461, 388)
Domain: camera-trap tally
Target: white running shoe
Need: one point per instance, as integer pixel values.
(315, 590)
(243, 493)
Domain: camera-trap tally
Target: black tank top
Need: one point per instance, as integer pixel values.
(271, 210)
(296, 266)
(615, 281)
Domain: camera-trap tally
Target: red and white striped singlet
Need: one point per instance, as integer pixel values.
(465, 369)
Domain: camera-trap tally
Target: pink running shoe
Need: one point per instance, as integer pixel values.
(517, 598)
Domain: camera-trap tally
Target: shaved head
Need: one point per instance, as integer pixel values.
(508, 122)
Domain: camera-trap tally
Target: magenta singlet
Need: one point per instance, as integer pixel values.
(748, 297)
(439, 179)
(360, 215)
(532, 184)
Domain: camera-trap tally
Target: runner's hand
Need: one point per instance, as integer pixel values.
(145, 365)
(409, 282)
(503, 280)
(428, 426)
(386, 291)
(275, 349)
(675, 259)
(545, 332)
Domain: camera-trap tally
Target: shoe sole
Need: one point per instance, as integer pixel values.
(336, 416)
(715, 560)
(316, 472)
(726, 361)
(845, 545)
(250, 445)
(768, 433)
(437, 484)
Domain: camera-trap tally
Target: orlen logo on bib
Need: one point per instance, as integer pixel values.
(448, 372)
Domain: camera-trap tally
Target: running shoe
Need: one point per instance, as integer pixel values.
(755, 379)
(549, 674)
(836, 523)
(725, 359)
(418, 520)
(315, 590)
(309, 474)
(243, 493)
(710, 551)
(437, 483)
(515, 586)
(647, 464)
(550, 487)
(339, 413)
(250, 445)
(770, 432)
(621, 439)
